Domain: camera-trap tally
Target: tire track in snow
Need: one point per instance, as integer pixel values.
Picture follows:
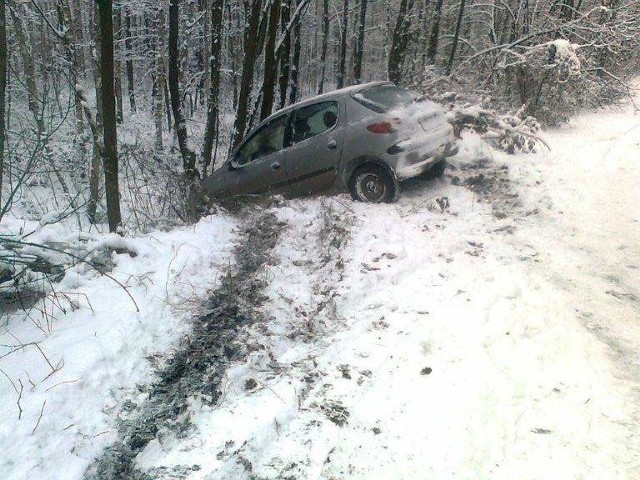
(303, 293)
(197, 368)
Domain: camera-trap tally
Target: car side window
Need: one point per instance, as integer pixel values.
(313, 120)
(269, 139)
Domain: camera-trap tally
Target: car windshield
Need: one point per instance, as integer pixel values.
(383, 98)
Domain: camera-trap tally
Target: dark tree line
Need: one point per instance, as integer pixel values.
(204, 72)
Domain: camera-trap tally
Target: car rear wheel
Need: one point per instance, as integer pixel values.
(436, 171)
(373, 184)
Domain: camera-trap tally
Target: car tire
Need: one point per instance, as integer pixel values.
(373, 184)
(436, 170)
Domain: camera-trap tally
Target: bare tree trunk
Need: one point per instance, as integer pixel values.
(251, 35)
(342, 70)
(117, 72)
(432, 51)
(167, 104)
(285, 57)
(208, 31)
(424, 33)
(231, 43)
(129, 61)
(109, 115)
(160, 81)
(29, 72)
(188, 155)
(270, 61)
(75, 9)
(295, 64)
(211, 132)
(399, 41)
(325, 43)
(98, 151)
(3, 89)
(456, 37)
(70, 43)
(359, 50)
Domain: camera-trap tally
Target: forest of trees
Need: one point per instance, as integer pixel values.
(108, 104)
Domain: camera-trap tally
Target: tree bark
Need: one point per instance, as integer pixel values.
(188, 155)
(295, 64)
(270, 62)
(232, 36)
(359, 50)
(432, 51)
(117, 68)
(98, 150)
(75, 12)
(129, 61)
(112, 190)
(456, 37)
(205, 8)
(211, 132)
(251, 35)
(342, 70)
(160, 80)
(70, 41)
(399, 41)
(29, 72)
(3, 89)
(325, 44)
(285, 56)
(424, 33)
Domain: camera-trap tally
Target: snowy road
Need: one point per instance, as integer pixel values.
(495, 339)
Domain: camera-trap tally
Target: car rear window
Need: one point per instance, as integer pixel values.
(382, 98)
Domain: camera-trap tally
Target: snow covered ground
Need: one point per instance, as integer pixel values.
(66, 373)
(491, 335)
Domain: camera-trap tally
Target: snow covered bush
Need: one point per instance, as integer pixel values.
(507, 132)
(563, 60)
(548, 81)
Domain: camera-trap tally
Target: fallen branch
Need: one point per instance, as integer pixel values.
(17, 245)
(19, 392)
(39, 417)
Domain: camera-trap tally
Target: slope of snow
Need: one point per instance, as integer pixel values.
(88, 353)
(496, 338)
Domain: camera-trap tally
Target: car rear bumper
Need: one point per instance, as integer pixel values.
(415, 162)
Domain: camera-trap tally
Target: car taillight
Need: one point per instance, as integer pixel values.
(381, 127)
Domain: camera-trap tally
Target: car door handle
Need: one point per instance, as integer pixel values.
(332, 145)
(275, 165)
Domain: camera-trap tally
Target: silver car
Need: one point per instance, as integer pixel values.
(365, 138)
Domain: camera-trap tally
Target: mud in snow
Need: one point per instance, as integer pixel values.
(197, 368)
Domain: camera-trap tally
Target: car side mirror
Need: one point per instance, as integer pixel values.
(234, 165)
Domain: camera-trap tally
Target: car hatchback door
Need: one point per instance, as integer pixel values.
(315, 146)
(258, 165)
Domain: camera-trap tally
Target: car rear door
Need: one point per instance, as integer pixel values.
(315, 145)
(258, 166)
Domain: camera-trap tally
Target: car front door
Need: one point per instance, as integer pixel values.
(259, 163)
(315, 146)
